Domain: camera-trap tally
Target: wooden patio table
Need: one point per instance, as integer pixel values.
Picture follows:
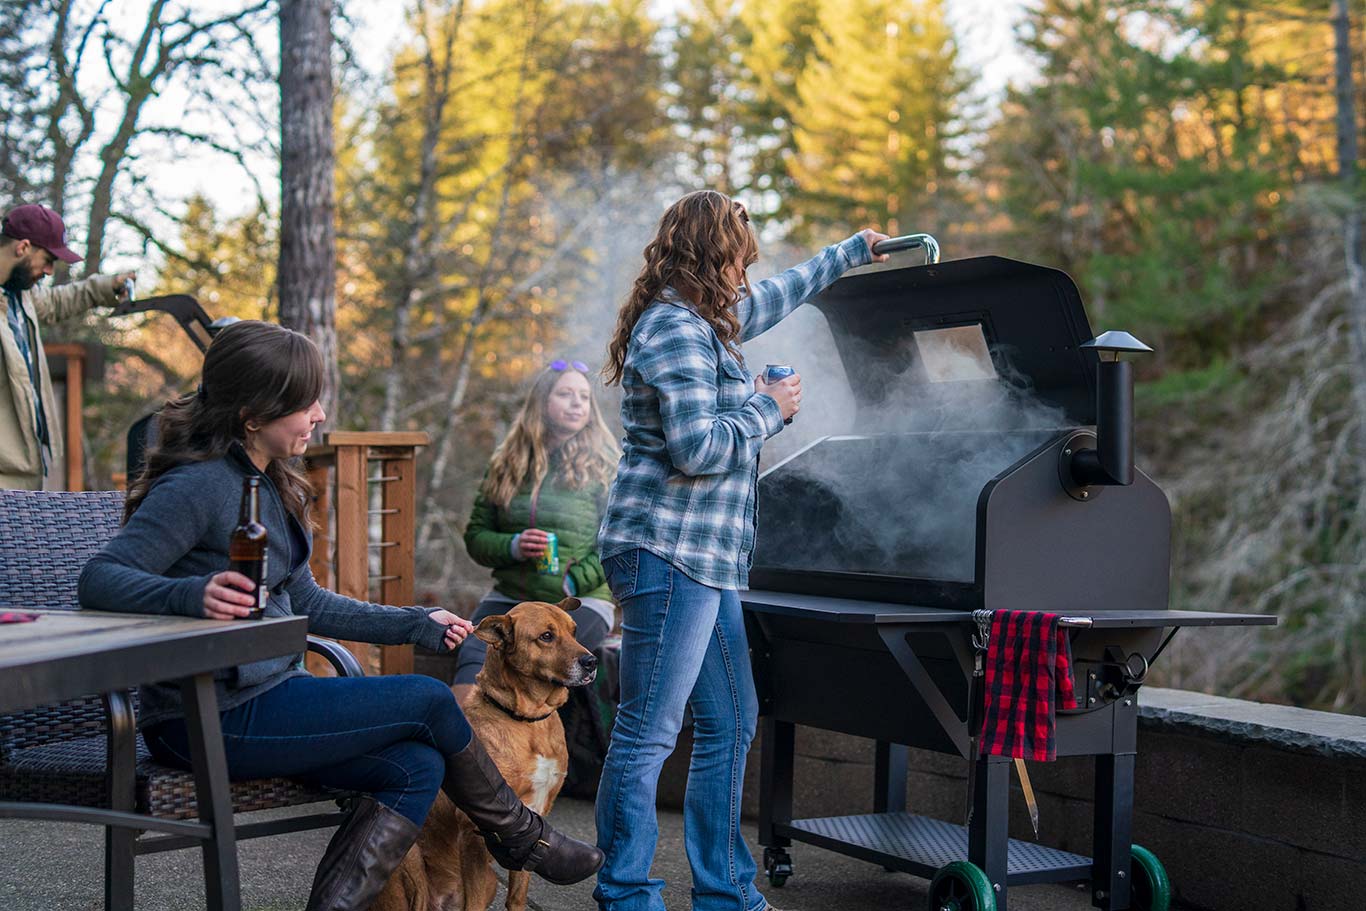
(65, 654)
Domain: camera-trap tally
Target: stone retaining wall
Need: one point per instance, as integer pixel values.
(1251, 807)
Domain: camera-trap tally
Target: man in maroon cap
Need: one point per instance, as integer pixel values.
(32, 239)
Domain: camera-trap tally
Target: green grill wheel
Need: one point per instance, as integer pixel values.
(778, 866)
(1150, 890)
(961, 886)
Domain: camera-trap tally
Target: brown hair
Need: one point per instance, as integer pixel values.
(252, 371)
(700, 238)
(588, 456)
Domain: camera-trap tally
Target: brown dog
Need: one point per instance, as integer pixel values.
(532, 660)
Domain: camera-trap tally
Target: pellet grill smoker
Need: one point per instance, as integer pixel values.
(991, 468)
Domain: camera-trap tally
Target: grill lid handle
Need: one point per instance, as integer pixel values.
(909, 242)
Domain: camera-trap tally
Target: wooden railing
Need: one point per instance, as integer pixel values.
(365, 480)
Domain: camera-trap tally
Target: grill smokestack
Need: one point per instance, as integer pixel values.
(1111, 463)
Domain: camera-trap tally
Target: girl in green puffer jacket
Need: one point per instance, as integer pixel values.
(550, 474)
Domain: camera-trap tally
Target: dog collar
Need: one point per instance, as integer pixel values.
(510, 713)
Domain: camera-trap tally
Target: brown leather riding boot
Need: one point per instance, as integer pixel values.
(517, 837)
(367, 847)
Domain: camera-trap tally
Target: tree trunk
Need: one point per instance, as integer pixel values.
(445, 438)
(67, 101)
(308, 238)
(1351, 228)
(418, 257)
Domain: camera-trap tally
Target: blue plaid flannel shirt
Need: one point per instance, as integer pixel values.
(685, 485)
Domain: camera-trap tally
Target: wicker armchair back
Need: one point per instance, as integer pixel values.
(58, 753)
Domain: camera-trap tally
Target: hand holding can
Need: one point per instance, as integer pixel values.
(531, 544)
(775, 374)
(548, 563)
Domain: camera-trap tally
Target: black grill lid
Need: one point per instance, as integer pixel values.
(885, 323)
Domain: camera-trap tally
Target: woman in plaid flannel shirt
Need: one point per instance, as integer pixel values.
(678, 535)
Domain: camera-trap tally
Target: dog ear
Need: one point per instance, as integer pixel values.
(496, 631)
(570, 604)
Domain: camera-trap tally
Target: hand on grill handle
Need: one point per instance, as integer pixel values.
(786, 392)
(910, 242)
(872, 239)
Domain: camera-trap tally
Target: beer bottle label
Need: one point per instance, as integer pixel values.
(262, 593)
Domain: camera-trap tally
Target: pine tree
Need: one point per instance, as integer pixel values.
(874, 113)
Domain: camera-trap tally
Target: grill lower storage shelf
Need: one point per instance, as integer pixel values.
(921, 846)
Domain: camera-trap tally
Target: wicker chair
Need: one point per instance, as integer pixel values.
(60, 753)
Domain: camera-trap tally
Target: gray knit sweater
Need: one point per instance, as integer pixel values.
(160, 562)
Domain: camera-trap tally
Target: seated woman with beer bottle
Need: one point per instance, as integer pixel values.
(228, 453)
(535, 518)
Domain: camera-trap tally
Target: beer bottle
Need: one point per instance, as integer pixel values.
(247, 546)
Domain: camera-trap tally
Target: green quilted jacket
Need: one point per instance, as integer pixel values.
(573, 515)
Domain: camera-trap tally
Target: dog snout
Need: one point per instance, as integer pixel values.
(589, 663)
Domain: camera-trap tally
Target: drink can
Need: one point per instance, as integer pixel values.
(548, 563)
(775, 372)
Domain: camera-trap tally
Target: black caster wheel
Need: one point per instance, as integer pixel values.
(961, 886)
(777, 866)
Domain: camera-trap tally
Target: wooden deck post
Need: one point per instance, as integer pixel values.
(73, 424)
(345, 471)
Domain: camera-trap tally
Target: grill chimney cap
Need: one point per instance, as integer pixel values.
(1116, 341)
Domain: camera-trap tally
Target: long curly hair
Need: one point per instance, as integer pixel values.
(590, 456)
(252, 371)
(700, 240)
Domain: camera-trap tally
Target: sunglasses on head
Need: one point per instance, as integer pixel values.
(560, 366)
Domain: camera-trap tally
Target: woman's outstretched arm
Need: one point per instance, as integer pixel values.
(773, 298)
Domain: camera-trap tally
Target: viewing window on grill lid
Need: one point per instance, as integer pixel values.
(954, 353)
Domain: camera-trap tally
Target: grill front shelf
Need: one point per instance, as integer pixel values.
(920, 846)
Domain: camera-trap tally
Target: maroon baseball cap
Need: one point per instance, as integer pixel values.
(40, 226)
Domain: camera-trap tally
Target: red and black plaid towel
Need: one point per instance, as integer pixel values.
(1028, 673)
(10, 616)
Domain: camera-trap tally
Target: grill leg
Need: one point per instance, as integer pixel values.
(775, 779)
(889, 777)
(121, 759)
(1114, 839)
(989, 833)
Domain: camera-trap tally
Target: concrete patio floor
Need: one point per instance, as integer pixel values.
(47, 867)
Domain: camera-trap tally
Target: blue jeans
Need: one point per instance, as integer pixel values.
(387, 736)
(683, 644)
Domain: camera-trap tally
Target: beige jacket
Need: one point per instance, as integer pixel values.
(21, 464)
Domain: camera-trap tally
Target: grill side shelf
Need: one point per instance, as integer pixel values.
(1175, 618)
